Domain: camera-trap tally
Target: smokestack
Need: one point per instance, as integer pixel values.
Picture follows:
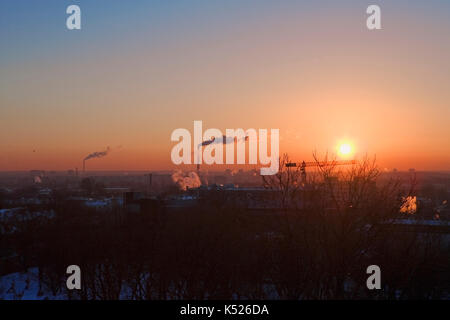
(97, 154)
(150, 178)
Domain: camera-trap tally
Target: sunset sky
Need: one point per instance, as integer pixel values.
(137, 70)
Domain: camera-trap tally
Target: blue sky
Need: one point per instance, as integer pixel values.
(38, 27)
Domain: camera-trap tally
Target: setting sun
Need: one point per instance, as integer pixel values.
(345, 149)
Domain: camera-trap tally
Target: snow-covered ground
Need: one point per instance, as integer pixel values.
(25, 286)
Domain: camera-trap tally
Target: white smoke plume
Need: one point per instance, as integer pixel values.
(187, 180)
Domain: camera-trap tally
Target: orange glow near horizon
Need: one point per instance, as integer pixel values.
(317, 80)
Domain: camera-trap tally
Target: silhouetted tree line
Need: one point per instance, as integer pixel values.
(316, 245)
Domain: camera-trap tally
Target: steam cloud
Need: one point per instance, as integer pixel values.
(409, 205)
(186, 181)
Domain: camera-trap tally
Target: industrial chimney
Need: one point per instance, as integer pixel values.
(150, 178)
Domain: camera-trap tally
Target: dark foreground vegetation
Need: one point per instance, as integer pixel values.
(317, 244)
